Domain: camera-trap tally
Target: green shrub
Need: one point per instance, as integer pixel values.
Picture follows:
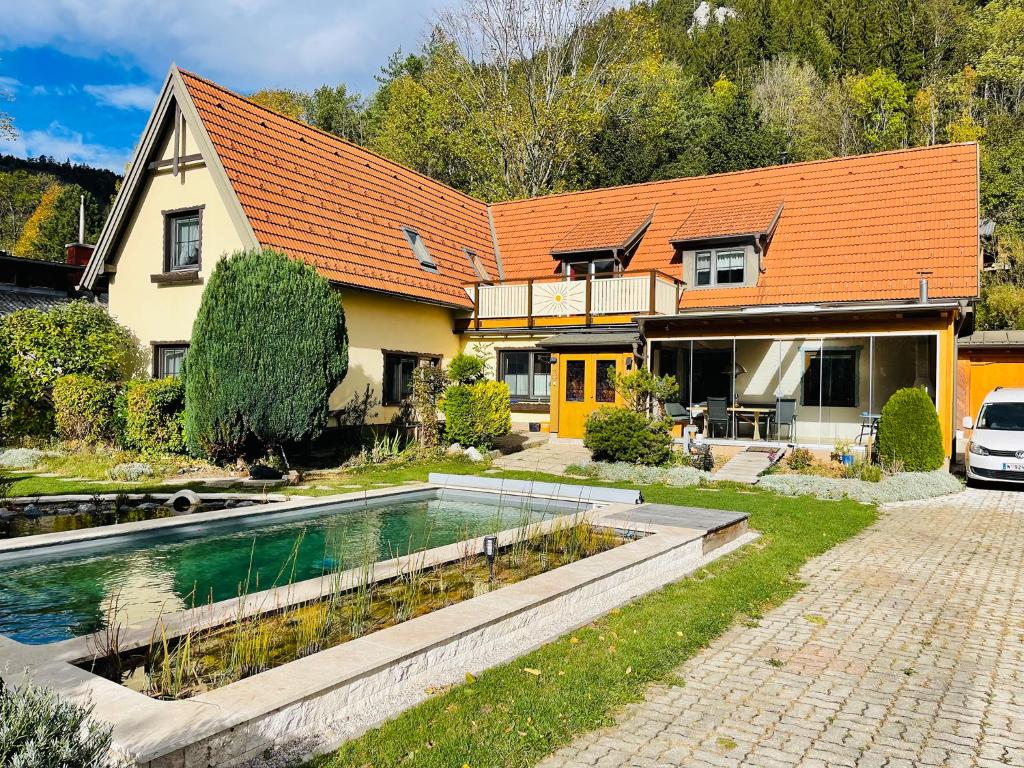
(639, 388)
(622, 434)
(38, 729)
(38, 347)
(268, 348)
(152, 416)
(800, 458)
(466, 368)
(477, 414)
(83, 408)
(909, 433)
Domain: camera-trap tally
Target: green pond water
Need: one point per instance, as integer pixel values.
(58, 596)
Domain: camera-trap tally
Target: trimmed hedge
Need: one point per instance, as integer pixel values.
(622, 434)
(909, 433)
(268, 347)
(153, 416)
(905, 486)
(466, 369)
(83, 408)
(477, 414)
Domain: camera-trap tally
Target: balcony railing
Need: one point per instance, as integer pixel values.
(630, 293)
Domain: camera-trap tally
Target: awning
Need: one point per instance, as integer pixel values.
(586, 339)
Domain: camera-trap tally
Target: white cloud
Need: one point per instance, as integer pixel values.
(246, 44)
(9, 83)
(62, 143)
(123, 96)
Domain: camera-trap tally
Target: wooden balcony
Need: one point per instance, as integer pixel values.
(543, 300)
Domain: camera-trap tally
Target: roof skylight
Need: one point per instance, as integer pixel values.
(419, 249)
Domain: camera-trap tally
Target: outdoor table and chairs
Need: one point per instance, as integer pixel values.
(868, 426)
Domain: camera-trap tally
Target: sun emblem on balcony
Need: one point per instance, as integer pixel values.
(562, 298)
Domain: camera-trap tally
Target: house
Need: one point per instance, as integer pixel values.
(797, 298)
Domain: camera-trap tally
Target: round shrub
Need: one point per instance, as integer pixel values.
(477, 414)
(622, 434)
(268, 348)
(38, 347)
(131, 472)
(152, 416)
(83, 408)
(909, 435)
(38, 729)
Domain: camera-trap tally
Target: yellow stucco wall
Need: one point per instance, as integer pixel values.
(165, 312)
(379, 323)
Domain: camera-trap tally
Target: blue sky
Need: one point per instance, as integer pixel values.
(84, 74)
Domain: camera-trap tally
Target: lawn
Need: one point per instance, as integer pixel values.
(509, 716)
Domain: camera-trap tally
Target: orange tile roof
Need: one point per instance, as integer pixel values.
(852, 229)
(338, 206)
(601, 234)
(733, 217)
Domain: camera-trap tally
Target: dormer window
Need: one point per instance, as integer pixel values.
(719, 267)
(596, 268)
(419, 249)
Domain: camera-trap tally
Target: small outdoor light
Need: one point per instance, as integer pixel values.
(490, 549)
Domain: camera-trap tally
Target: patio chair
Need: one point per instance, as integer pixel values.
(717, 415)
(677, 413)
(785, 416)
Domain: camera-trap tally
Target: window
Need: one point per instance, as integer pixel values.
(398, 370)
(729, 265)
(478, 265)
(419, 249)
(719, 267)
(578, 270)
(527, 373)
(833, 373)
(183, 240)
(1005, 417)
(605, 386)
(575, 378)
(167, 359)
(704, 268)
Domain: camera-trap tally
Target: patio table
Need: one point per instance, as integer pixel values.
(753, 413)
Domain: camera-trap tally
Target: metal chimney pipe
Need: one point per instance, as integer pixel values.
(81, 219)
(923, 285)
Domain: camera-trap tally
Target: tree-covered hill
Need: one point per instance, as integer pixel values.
(39, 204)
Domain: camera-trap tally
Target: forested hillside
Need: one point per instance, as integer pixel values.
(506, 101)
(39, 204)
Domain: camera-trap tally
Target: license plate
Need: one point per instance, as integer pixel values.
(1013, 467)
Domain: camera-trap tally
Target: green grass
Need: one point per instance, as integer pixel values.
(510, 717)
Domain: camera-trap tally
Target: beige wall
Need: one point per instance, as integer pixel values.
(165, 312)
(378, 323)
(489, 346)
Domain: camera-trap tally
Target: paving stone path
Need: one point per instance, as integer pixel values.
(905, 649)
(551, 457)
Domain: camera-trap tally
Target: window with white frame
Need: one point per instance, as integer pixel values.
(167, 359)
(719, 267)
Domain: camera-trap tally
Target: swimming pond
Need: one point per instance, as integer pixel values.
(70, 591)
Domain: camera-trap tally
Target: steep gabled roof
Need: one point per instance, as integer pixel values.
(338, 206)
(851, 229)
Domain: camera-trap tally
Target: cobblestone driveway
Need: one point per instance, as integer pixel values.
(906, 648)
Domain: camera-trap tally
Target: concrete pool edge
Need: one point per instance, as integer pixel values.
(341, 691)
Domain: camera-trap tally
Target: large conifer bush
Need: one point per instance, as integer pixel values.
(268, 348)
(909, 435)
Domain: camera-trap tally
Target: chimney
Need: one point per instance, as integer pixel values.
(923, 287)
(81, 219)
(78, 253)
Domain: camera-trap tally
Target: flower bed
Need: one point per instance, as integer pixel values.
(904, 486)
(202, 659)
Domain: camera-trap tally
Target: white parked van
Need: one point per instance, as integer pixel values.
(995, 450)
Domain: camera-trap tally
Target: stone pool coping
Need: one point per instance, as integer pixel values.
(339, 692)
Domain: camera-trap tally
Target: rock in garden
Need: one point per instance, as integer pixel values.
(87, 508)
(474, 455)
(245, 503)
(32, 511)
(147, 506)
(454, 449)
(6, 513)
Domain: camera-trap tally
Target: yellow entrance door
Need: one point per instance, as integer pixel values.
(583, 386)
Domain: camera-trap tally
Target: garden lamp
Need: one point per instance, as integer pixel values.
(490, 550)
